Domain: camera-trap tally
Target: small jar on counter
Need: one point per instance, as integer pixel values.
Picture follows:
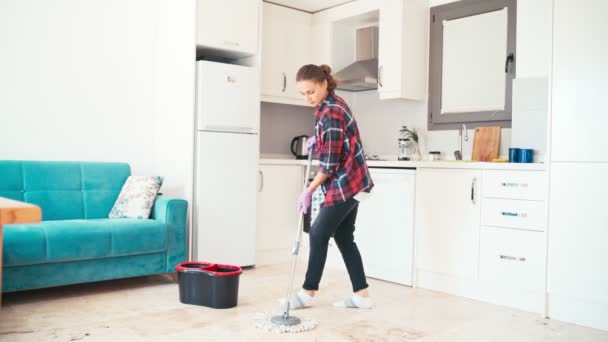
(434, 155)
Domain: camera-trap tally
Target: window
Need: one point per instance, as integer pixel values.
(472, 63)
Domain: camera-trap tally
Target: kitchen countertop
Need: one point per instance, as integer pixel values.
(441, 164)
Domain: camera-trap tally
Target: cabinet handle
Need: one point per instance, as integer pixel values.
(380, 69)
(509, 213)
(514, 185)
(473, 200)
(508, 62)
(261, 181)
(229, 42)
(512, 258)
(284, 83)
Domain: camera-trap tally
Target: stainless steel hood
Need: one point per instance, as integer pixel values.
(363, 73)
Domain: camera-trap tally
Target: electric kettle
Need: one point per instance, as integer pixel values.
(298, 147)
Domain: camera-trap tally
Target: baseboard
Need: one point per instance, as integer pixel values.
(522, 299)
(593, 314)
(493, 293)
(449, 284)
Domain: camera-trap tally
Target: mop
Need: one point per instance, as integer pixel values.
(285, 323)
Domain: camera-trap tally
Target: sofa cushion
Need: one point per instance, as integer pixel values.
(101, 184)
(11, 179)
(64, 190)
(57, 241)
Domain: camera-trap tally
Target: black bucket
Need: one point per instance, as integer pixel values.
(207, 284)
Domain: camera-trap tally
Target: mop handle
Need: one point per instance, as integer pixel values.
(296, 247)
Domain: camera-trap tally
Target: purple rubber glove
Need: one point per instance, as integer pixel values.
(304, 201)
(311, 144)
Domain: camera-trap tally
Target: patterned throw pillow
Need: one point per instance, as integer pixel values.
(136, 197)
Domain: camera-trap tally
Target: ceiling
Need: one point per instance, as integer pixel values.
(310, 6)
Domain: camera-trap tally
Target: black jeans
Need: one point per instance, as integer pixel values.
(339, 221)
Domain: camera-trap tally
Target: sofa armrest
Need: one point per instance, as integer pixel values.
(173, 212)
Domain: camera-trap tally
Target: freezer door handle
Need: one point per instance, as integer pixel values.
(261, 180)
(229, 129)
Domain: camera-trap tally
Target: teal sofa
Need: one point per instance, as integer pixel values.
(76, 242)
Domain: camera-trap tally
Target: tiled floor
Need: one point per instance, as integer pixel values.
(148, 309)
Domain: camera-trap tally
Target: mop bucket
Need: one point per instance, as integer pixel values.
(212, 285)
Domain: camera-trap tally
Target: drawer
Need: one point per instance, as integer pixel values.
(528, 185)
(512, 258)
(514, 214)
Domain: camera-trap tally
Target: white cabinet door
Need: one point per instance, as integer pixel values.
(277, 217)
(580, 72)
(578, 238)
(447, 223)
(403, 45)
(225, 197)
(274, 51)
(231, 26)
(286, 46)
(385, 226)
(389, 49)
(321, 49)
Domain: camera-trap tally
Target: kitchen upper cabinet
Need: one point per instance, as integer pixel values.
(403, 45)
(577, 281)
(228, 28)
(277, 217)
(402, 42)
(286, 46)
(385, 226)
(580, 71)
(447, 229)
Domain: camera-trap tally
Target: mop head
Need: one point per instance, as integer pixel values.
(264, 321)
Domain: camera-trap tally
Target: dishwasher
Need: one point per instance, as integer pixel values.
(384, 230)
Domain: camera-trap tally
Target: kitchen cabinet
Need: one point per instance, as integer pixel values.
(229, 28)
(403, 46)
(385, 226)
(447, 230)
(577, 281)
(278, 189)
(402, 42)
(512, 267)
(578, 120)
(513, 237)
(286, 46)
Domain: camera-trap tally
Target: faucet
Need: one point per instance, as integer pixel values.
(462, 134)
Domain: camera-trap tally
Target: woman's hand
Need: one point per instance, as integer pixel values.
(304, 201)
(311, 144)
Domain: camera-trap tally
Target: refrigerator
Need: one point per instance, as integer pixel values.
(226, 153)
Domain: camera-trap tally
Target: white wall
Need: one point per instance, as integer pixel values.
(279, 123)
(99, 80)
(380, 121)
(175, 96)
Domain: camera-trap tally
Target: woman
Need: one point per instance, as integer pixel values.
(343, 174)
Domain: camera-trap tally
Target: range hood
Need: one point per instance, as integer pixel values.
(363, 73)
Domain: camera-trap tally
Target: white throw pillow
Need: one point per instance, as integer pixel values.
(136, 197)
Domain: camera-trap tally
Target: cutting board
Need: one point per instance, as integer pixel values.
(485, 143)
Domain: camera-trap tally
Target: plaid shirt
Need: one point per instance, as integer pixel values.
(340, 151)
